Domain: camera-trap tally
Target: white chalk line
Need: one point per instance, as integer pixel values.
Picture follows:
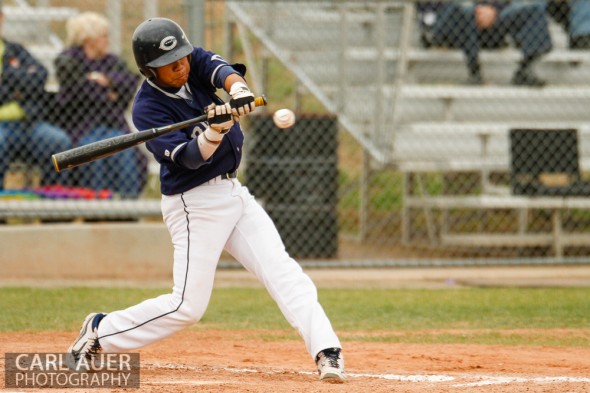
(192, 382)
(482, 380)
(488, 380)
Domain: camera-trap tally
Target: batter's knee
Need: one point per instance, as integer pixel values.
(189, 314)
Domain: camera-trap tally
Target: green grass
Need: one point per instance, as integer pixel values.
(473, 315)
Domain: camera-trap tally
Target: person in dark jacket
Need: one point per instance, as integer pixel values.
(96, 88)
(24, 134)
(574, 17)
(487, 24)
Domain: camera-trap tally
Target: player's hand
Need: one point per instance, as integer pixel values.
(242, 99)
(220, 117)
(99, 78)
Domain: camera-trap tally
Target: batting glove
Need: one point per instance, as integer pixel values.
(242, 99)
(220, 118)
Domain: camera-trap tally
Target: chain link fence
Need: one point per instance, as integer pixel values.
(428, 132)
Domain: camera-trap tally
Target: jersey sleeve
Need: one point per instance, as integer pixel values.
(212, 67)
(149, 114)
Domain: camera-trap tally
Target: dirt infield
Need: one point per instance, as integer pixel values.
(216, 361)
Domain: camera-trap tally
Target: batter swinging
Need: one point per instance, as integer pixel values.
(205, 207)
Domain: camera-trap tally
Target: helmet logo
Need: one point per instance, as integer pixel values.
(168, 43)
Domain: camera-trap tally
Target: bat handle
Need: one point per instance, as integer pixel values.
(260, 101)
(55, 163)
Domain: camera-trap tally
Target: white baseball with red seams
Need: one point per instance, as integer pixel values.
(284, 118)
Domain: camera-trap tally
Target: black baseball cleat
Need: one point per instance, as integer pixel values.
(85, 348)
(331, 365)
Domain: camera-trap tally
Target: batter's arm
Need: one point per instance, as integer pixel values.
(242, 99)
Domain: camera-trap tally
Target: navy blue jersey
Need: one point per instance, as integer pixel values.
(182, 166)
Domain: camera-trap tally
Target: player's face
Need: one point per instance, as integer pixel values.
(97, 47)
(173, 74)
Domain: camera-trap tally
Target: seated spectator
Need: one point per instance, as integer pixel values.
(559, 10)
(24, 136)
(487, 25)
(574, 17)
(579, 24)
(95, 90)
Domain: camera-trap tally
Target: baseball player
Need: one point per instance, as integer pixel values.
(205, 207)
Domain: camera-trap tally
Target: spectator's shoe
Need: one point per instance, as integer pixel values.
(331, 365)
(527, 78)
(85, 348)
(426, 40)
(475, 80)
(580, 43)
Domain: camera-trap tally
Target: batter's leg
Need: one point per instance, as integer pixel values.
(200, 222)
(256, 244)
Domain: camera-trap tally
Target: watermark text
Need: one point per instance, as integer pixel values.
(61, 370)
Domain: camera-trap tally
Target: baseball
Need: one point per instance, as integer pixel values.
(284, 118)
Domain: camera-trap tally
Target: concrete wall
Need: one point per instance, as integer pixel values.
(86, 251)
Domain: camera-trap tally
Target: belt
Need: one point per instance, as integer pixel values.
(230, 175)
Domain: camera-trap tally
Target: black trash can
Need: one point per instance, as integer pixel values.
(294, 173)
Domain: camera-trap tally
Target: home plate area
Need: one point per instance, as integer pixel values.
(258, 361)
(255, 379)
(270, 361)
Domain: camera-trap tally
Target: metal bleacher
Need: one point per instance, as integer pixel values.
(408, 106)
(362, 60)
(32, 27)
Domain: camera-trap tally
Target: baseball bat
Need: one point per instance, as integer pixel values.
(107, 147)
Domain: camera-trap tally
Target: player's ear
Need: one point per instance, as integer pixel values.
(149, 73)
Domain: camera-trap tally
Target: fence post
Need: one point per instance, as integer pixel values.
(195, 9)
(114, 17)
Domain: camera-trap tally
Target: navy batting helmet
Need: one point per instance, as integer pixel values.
(157, 42)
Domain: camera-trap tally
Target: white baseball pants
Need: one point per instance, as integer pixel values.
(202, 222)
